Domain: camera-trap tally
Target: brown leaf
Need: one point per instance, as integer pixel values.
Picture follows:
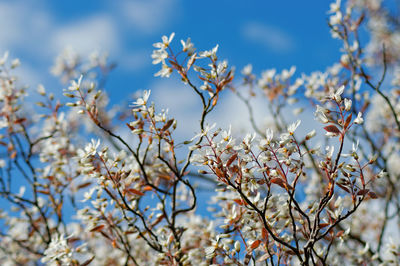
(175, 65)
(343, 187)
(281, 174)
(105, 235)
(348, 120)
(219, 173)
(240, 201)
(59, 209)
(13, 155)
(372, 195)
(157, 221)
(165, 177)
(362, 192)
(130, 127)
(235, 169)
(167, 125)
(264, 233)
(340, 233)
(147, 188)
(231, 159)
(84, 185)
(215, 100)
(332, 129)
(278, 181)
(253, 245)
(97, 228)
(19, 120)
(135, 191)
(322, 225)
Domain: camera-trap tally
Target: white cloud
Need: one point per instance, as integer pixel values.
(271, 37)
(231, 111)
(23, 26)
(31, 29)
(28, 76)
(93, 33)
(148, 16)
(185, 106)
(182, 104)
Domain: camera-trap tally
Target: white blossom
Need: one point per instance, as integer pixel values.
(58, 249)
(359, 119)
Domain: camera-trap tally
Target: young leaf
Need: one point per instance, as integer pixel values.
(332, 129)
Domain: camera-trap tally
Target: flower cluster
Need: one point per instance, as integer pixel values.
(85, 183)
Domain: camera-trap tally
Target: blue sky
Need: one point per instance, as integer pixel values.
(268, 34)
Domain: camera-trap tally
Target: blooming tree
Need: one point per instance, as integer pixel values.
(82, 183)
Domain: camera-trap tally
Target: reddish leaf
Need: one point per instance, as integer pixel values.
(364, 107)
(348, 120)
(19, 121)
(186, 173)
(200, 77)
(84, 185)
(175, 65)
(58, 209)
(235, 169)
(372, 195)
(147, 188)
(130, 127)
(362, 192)
(281, 174)
(135, 191)
(340, 233)
(97, 228)
(157, 221)
(214, 102)
(167, 125)
(165, 177)
(240, 201)
(231, 159)
(322, 225)
(253, 246)
(278, 181)
(332, 129)
(264, 233)
(343, 187)
(219, 173)
(105, 235)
